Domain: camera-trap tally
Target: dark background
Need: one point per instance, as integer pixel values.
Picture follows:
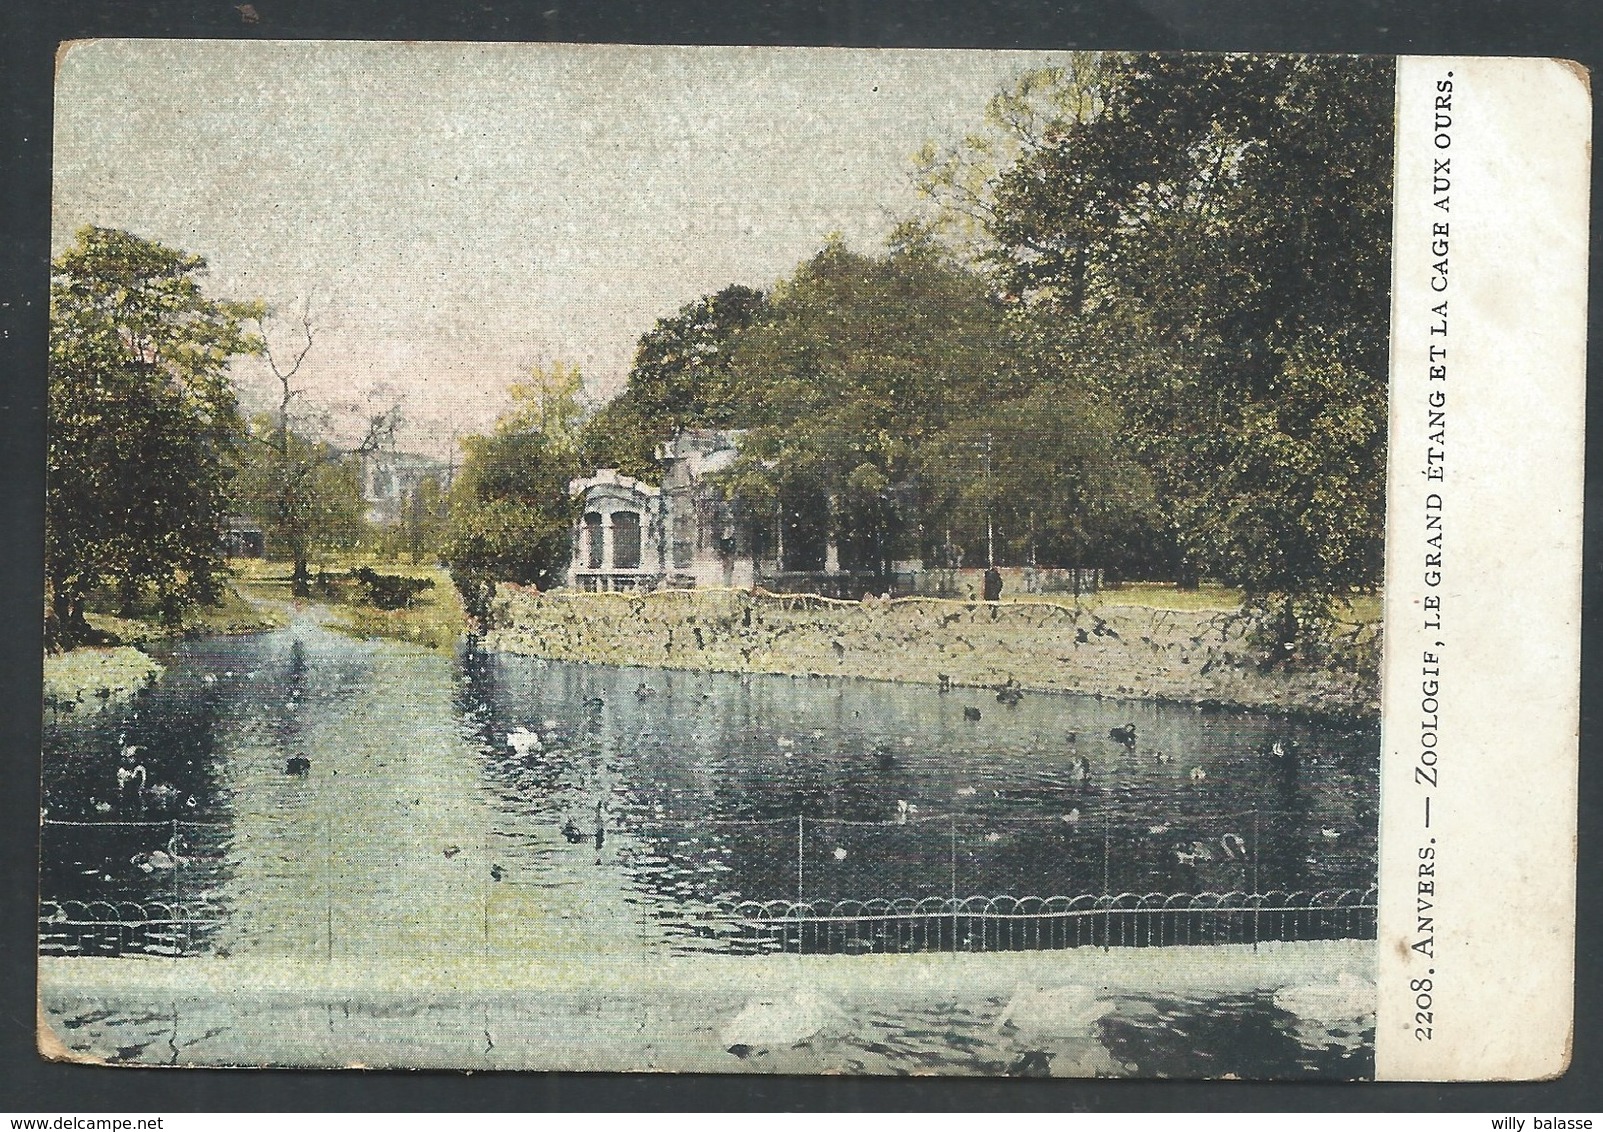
(29, 33)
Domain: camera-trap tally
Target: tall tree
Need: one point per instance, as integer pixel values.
(510, 510)
(1211, 247)
(682, 377)
(960, 179)
(294, 463)
(326, 511)
(857, 364)
(143, 426)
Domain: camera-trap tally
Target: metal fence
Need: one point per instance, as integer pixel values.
(1033, 923)
(126, 927)
(908, 885)
(134, 887)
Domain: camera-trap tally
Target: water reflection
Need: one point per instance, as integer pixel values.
(712, 788)
(773, 787)
(716, 788)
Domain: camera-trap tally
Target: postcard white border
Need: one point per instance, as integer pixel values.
(1480, 700)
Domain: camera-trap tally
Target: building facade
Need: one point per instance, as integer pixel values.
(685, 533)
(391, 482)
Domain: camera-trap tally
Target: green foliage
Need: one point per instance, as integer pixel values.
(143, 427)
(307, 495)
(683, 377)
(510, 509)
(861, 361)
(1210, 248)
(1061, 489)
(961, 179)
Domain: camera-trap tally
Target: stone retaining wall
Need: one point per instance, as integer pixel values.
(1107, 650)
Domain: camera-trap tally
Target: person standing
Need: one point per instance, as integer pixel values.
(993, 583)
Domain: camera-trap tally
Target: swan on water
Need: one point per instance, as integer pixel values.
(1235, 846)
(1072, 817)
(1040, 1011)
(1198, 774)
(966, 791)
(766, 1024)
(523, 741)
(1348, 996)
(839, 854)
(1162, 827)
(153, 860)
(1278, 749)
(1329, 831)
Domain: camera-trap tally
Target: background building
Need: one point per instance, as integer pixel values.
(391, 482)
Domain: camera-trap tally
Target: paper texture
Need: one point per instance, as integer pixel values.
(1481, 703)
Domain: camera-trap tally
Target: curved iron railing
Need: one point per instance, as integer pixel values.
(1030, 923)
(126, 927)
(183, 921)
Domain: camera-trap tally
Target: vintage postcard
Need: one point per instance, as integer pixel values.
(813, 561)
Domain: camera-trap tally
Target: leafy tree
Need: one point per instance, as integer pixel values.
(1211, 246)
(860, 361)
(1048, 473)
(961, 179)
(682, 377)
(143, 426)
(304, 488)
(306, 493)
(511, 514)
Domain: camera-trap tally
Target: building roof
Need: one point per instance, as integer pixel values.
(611, 477)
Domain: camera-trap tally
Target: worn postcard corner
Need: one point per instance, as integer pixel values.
(872, 562)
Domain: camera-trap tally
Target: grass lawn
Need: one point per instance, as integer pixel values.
(1205, 598)
(1360, 609)
(434, 618)
(234, 613)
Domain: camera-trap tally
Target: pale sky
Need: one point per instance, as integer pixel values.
(461, 212)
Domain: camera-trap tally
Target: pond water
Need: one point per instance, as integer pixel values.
(417, 812)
